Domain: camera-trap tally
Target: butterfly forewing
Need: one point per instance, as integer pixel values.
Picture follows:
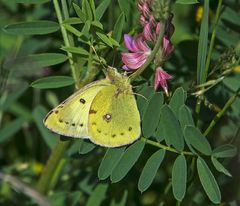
(70, 118)
(114, 119)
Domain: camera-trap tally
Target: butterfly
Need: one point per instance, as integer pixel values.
(104, 111)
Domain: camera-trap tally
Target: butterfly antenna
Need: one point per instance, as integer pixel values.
(100, 60)
(140, 95)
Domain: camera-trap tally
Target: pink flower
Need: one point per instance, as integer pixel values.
(167, 47)
(161, 78)
(139, 52)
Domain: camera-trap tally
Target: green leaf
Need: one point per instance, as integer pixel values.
(219, 167)
(49, 138)
(150, 169)
(47, 59)
(110, 160)
(231, 16)
(85, 146)
(142, 101)
(177, 100)
(104, 38)
(159, 132)
(118, 27)
(87, 10)
(31, 1)
(53, 82)
(92, 5)
(203, 45)
(97, 24)
(127, 161)
(72, 20)
(171, 128)
(208, 181)
(79, 12)
(123, 200)
(75, 50)
(150, 121)
(11, 128)
(224, 151)
(73, 30)
(185, 116)
(187, 2)
(179, 177)
(195, 138)
(98, 195)
(7, 100)
(31, 28)
(102, 8)
(124, 6)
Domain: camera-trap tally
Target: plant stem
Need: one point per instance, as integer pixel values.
(65, 38)
(221, 113)
(213, 38)
(52, 163)
(162, 146)
(156, 48)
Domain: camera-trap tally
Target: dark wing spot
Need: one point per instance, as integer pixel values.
(60, 106)
(129, 129)
(114, 135)
(73, 124)
(122, 133)
(60, 120)
(82, 101)
(107, 117)
(67, 122)
(99, 131)
(92, 111)
(94, 123)
(56, 111)
(81, 125)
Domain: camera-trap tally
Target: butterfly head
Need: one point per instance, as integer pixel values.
(121, 81)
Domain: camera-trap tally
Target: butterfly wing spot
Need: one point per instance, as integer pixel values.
(81, 125)
(60, 106)
(83, 101)
(73, 124)
(94, 123)
(129, 129)
(114, 135)
(66, 122)
(92, 111)
(107, 117)
(99, 131)
(56, 111)
(60, 120)
(122, 133)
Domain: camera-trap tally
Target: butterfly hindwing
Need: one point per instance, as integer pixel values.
(70, 118)
(114, 119)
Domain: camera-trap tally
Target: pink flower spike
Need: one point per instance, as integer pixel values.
(147, 33)
(139, 52)
(161, 78)
(167, 47)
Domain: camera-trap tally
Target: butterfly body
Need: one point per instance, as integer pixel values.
(104, 111)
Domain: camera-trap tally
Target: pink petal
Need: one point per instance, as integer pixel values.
(140, 44)
(133, 60)
(128, 41)
(147, 33)
(167, 47)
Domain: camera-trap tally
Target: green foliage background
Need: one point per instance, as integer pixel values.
(185, 155)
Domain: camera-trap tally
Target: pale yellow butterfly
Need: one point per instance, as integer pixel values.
(104, 111)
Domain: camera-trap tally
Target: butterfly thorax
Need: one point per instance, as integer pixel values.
(121, 81)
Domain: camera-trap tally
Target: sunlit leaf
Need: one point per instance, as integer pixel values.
(53, 82)
(32, 27)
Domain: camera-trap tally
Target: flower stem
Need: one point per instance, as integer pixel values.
(221, 113)
(56, 155)
(162, 146)
(213, 38)
(156, 48)
(65, 36)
